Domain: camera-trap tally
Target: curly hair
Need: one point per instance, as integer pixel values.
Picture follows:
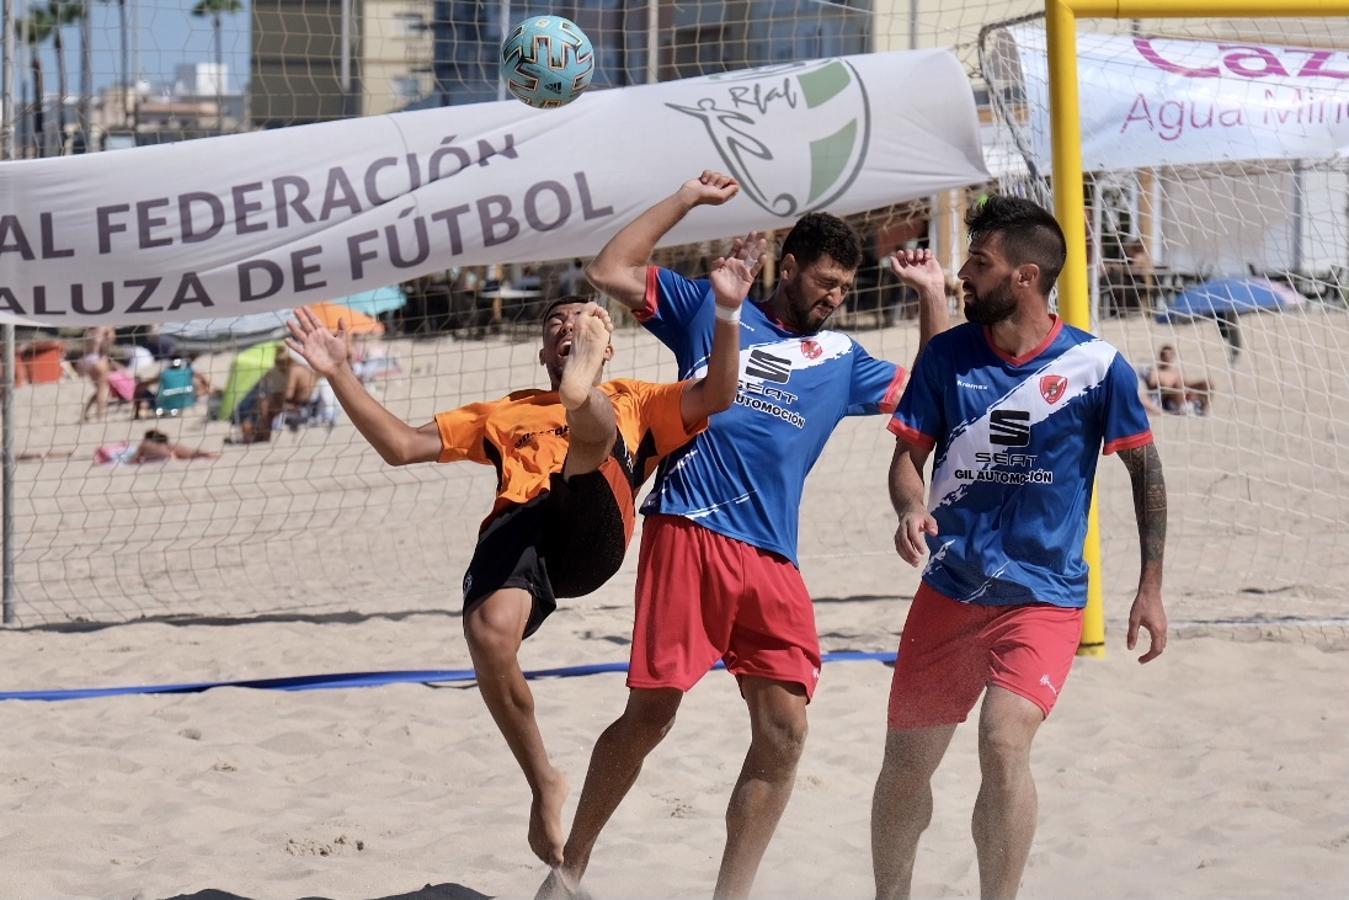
(1030, 234)
(819, 234)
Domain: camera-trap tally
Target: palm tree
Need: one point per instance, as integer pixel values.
(216, 9)
(61, 13)
(125, 81)
(36, 28)
(85, 17)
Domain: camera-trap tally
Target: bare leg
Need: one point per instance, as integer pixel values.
(1005, 810)
(1199, 393)
(901, 806)
(98, 376)
(259, 431)
(591, 424)
(615, 764)
(777, 714)
(494, 630)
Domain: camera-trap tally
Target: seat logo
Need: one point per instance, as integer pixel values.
(1009, 427)
(766, 366)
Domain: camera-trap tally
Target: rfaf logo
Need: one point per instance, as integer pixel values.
(1052, 388)
(794, 136)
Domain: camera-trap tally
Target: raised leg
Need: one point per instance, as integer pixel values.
(494, 630)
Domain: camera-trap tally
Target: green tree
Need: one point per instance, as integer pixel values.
(36, 29)
(216, 10)
(62, 13)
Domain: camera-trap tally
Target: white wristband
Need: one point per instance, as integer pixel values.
(727, 315)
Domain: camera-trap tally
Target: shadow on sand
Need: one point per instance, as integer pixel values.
(448, 891)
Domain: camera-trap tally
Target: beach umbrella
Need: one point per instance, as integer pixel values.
(1223, 298)
(376, 302)
(357, 322)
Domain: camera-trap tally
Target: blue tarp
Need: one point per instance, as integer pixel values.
(1226, 296)
(268, 325)
(368, 679)
(375, 303)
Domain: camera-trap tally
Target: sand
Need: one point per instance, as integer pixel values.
(1216, 771)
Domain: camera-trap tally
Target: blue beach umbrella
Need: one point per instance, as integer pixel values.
(1220, 298)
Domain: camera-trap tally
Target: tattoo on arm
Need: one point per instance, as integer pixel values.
(1145, 472)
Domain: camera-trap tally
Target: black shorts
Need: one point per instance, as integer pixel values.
(564, 543)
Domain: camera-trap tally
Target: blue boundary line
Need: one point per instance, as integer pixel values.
(365, 679)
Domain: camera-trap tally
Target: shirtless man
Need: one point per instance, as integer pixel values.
(1177, 393)
(285, 388)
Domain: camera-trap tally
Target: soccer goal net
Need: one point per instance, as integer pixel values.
(1236, 261)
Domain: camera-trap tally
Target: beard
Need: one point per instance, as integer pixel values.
(996, 306)
(800, 311)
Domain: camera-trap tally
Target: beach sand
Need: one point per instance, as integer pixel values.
(1216, 771)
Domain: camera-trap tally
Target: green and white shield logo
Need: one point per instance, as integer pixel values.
(794, 136)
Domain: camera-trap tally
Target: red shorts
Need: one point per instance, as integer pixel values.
(702, 596)
(950, 651)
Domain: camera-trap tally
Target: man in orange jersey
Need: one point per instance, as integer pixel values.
(569, 462)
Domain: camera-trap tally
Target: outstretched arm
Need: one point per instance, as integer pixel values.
(732, 277)
(1145, 474)
(920, 270)
(907, 495)
(620, 269)
(328, 354)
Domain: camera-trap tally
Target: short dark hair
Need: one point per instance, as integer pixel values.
(561, 301)
(1030, 234)
(819, 234)
(156, 436)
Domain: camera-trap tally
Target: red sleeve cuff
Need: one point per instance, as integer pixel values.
(911, 436)
(891, 399)
(1142, 439)
(648, 308)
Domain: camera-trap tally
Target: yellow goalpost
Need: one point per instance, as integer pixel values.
(1066, 140)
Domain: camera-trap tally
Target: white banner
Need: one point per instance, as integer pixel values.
(1153, 102)
(245, 223)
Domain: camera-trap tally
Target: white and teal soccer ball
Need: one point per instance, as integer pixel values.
(547, 61)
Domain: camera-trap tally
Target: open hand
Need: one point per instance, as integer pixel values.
(733, 275)
(919, 269)
(325, 351)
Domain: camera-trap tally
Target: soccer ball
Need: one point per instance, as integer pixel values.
(547, 61)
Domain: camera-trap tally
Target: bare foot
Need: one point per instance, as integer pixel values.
(557, 886)
(580, 373)
(546, 837)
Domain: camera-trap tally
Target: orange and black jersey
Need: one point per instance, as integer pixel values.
(524, 436)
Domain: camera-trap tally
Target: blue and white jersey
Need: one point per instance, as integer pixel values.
(1017, 440)
(743, 476)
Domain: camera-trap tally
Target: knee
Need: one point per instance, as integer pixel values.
(782, 733)
(899, 780)
(493, 630)
(1004, 753)
(651, 713)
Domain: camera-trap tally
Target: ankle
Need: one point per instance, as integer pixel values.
(545, 779)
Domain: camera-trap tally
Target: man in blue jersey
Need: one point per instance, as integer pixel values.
(1014, 407)
(717, 576)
